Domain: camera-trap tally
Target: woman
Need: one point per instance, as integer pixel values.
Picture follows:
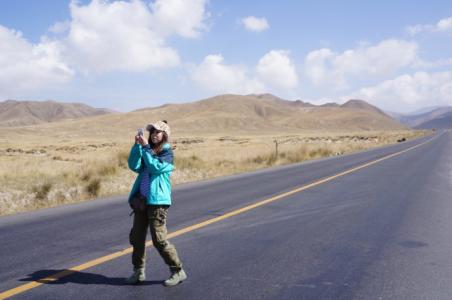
(150, 199)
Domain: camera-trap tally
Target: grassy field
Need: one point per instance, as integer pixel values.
(38, 172)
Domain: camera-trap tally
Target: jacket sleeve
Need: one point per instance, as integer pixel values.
(134, 160)
(157, 165)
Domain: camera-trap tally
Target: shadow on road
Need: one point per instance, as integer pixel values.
(47, 277)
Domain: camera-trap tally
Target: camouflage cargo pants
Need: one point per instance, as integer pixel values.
(154, 217)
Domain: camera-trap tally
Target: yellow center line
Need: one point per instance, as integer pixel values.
(103, 259)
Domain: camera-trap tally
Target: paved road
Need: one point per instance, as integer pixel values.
(381, 232)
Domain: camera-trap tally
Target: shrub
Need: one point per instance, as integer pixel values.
(267, 159)
(296, 156)
(86, 175)
(320, 152)
(121, 157)
(42, 190)
(191, 162)
(93, 187)
(271, 160)
(107, 169)
(257, 160)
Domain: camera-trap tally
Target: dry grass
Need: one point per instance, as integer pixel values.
(47, 172)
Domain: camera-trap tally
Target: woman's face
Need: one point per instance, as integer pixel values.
(156, 136)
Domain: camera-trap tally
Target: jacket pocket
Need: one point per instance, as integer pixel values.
(158, 215)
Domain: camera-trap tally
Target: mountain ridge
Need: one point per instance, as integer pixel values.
(427, 117)
(22, 113)
(229, 113)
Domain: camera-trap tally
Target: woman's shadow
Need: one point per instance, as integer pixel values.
(66, 276)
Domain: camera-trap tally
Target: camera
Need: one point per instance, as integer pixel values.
(140, 131)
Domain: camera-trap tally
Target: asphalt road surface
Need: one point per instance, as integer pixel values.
(382, 230)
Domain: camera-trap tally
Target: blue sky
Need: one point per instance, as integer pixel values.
(128, 55)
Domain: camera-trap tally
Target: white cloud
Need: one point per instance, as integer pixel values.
(106, 36)
(101, 36)
(255, 24)
(130, 36)
(320, 70)
(441, 26)
(25, 66)
(325, 67)
(276, 69)
(415, 29)
(60, 27)
(214, 75)
(432, 64)
(182, 17)
(444, 24)
(275, 72)
(416, 90)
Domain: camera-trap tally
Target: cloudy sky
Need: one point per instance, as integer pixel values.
(126, 55)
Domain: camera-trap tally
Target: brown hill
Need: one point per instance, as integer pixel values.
(228, 114)
(20, 113)
(361, 104)
(267, 112)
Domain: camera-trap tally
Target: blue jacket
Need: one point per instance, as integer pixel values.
(159, 167)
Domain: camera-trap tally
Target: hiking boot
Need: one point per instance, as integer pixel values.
(175, 278)
(137, 276)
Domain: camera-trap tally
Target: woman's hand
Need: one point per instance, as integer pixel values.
(142, 140)
(137, 140)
